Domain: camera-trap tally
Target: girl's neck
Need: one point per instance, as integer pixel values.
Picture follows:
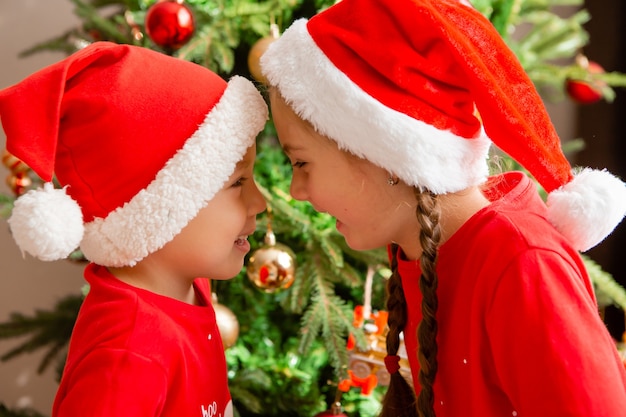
(456, 209)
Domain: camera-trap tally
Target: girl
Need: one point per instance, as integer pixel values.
(387, 110)
(155, 157)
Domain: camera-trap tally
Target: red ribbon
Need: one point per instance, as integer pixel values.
(392, 363)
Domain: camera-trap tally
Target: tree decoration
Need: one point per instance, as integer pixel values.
(586, 89)
(169, 24)
(227, 323)
(257, 50)
(135, 29)
(367, 367)
(273, 266)
(19, 180)
(335, 409)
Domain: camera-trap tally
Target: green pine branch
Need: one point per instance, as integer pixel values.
(265, 363)
(608, 292)
(46, 329)
(6, 205)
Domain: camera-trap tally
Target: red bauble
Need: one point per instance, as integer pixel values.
(169, 24)
(586, 92)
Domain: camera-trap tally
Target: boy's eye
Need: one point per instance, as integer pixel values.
(298, 164)
(239, 182)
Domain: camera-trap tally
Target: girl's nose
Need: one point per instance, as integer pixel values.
(297, 189)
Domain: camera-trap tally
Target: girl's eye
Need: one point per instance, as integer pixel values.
(298, 164)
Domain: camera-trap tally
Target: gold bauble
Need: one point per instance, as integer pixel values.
(18, 180)
(19, 183)
(15, 165)
(273, 266)
(227, 323)
(257, 50)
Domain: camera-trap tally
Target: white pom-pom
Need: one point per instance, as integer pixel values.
(588, 208)
(47, 223)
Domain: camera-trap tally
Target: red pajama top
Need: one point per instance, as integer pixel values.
(519, 329)
(136, 353)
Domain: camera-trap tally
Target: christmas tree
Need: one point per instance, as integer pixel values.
(287, 340)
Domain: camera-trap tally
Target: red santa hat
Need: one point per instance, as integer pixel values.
(401, 83)
(140, 142)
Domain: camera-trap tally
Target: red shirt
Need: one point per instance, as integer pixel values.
(519, 328)
(136, 353)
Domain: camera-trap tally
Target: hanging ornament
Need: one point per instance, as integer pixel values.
(19, 180)
(19, 183)
(258, 49)
(227, 323)
(135, 30)
(586, 91)
(169, 24)
(366, 367)
(272, 267)
(335, 409)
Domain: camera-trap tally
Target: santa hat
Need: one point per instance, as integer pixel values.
(401, 83)
(140, 142)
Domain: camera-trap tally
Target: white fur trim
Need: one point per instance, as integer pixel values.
(418, 153)
(185, 184)
(588, 208)
(47, 223)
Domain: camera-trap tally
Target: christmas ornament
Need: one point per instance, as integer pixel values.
(19, 183)
(366, 367)
(227, 323)
(19, 180)
(272, 267)
(135, 30)
(335, 409)
(259, 49)
(587, 91)
(169, 24)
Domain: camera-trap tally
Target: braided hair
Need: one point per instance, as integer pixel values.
(400, 401)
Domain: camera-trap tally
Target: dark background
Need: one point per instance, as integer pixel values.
(603, 128)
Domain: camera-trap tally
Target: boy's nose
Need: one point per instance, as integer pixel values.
(258, 204)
